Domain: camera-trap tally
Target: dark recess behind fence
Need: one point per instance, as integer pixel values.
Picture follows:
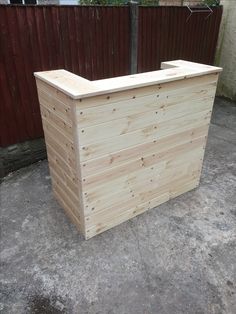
(93, 42)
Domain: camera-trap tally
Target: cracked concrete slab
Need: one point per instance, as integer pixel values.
(179, 258)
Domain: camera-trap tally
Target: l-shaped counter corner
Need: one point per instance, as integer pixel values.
(120, 146)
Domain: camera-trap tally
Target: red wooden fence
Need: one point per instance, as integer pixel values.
(166, 33)
(92, 42)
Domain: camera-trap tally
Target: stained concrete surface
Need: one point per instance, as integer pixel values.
(178, 258)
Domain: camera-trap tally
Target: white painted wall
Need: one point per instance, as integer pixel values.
(226, 51)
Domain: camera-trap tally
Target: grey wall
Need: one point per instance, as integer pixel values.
(226, 51)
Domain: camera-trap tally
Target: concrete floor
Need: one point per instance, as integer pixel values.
(179, 258)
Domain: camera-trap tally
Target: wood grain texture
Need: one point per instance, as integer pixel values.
(77, 87)
(170, 87)
(57, 118)
(119, 147)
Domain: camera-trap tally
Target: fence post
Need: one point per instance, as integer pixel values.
(133, 36)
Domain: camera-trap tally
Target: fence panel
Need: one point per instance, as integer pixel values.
(166, 33)
(92, 41)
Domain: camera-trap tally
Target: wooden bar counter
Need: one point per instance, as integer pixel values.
(118, 147)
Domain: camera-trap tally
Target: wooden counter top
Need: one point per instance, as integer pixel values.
(78, 87)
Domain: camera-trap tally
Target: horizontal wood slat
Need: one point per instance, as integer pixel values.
(141, 120)
(152, 132)
(134, 188)
(164, 89)
(102, 223)
(108, 113)
(147, 161)
(104, 163)
(59, 134)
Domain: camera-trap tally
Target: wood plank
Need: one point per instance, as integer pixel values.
(147, 160)
(77, 165)
(152, 132)
(55, 105)
(53, 92)
(142, 191)
(61, 162)
(141, 120)
(57, 135)
(64, 126)
(67, 180)
(127, 183)
(69, 198)
(102, 164)
(106, 113)
(162, 90)
(66, 82)
(77, 87)
(141, 188)
(69, 212)
(100, 222)
(97, 226)
(183, 188)
(149, 193)
(151, 176)
(67, 155)
(183, 63)
(151, 78)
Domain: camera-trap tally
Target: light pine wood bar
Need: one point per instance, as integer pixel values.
(120, 146)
